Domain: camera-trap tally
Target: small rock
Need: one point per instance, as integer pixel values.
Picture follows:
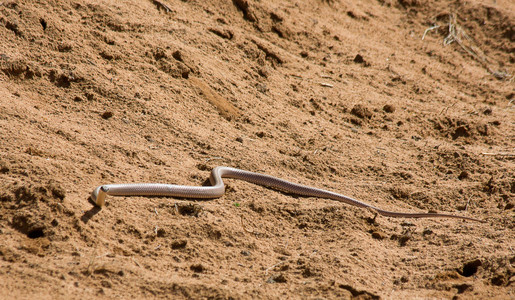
(427, 231)
(223, 33)
(197, 268)
(389, 108)
(403, 239)
(178, 56)
(161, 233)
(261, 134)
(378, 235)
(64, 47)
(14, 27)
(264, 72)
(106, 55)
(89, 96)
(4, 167)
(361, 111)
(179, 244)
(159, 53)
(463, 175)
(359, 59)
(107, 115)
(461, 131)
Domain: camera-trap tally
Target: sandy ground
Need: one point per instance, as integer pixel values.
(341, 95)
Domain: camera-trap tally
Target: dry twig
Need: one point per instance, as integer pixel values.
(498, 154)
(457, 34)
(160, 5)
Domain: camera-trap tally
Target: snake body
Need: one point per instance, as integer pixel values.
(218, 189)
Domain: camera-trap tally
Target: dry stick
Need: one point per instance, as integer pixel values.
(160, 4)
(455, 31)
(137, 264)
(213, 158)
(429, 29)
(445, 109)
(467, 205)
(498, 154)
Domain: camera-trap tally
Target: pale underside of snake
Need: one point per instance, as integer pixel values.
(218, 189)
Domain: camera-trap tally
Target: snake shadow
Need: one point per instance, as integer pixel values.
(87, 215)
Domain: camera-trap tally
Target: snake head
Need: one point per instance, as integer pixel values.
(99, 196)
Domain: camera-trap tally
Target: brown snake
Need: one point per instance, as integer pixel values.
(218, 189)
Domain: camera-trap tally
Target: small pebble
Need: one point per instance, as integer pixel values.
(389, 108)
(359, 59)
(197, 268)
(107, 115)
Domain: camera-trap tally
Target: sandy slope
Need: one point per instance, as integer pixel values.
(343, 95)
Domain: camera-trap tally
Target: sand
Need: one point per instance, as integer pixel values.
(407, 105)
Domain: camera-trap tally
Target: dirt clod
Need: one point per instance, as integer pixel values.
(197, 268)
(107, 115)
(361, 111)
(389, 108)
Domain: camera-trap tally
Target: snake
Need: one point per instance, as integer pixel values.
(217, 190)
